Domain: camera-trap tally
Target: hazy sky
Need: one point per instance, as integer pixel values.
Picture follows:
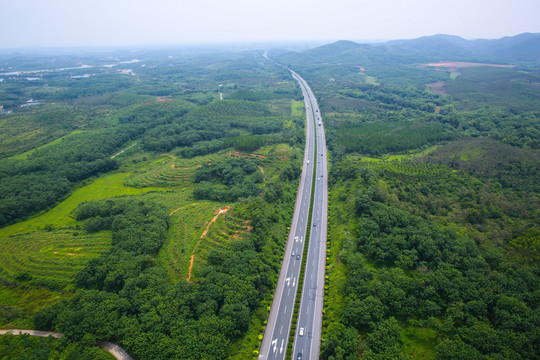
(129, 22)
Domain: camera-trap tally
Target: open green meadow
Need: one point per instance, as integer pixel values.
(50, 259)
(62, 214)
(40, 256)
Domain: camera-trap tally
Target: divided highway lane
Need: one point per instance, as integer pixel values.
(309, 324)
(276, 336)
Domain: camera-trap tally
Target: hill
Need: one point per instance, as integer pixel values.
(519, 48)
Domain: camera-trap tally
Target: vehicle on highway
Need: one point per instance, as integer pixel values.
(301, 332)
(298, 257)
(292, 254)
(308, 162)
(314, 224)
(299, 356)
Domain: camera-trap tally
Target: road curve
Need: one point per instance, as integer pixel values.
(276, 336)
(113, 349)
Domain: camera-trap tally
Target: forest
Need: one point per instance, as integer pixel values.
(434, 198)
(147, 201)
(160, 212)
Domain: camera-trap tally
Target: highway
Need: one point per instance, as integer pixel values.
(307, 339)
(276, 336)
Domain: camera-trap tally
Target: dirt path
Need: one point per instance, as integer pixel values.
(192, 260)
(120, 152)
(113, 349)
(181, 207)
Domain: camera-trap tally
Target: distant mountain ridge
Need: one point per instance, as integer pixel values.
(521, 47)
(441, 47)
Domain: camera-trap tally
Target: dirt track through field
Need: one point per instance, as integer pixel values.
(181, 207)
(192, 260)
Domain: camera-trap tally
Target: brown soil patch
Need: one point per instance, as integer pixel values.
(190, 267)
(218, 212)
(249, 228)
(172, 166)
(163, 100)
(169, 155)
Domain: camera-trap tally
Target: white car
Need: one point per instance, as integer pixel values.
(301, 332)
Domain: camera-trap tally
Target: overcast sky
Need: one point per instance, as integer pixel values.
(130, 22)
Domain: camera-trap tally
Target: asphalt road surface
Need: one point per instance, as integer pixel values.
(276, 336)
(307, 339)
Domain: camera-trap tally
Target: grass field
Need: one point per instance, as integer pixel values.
(170, 171)
(297, 108)
(418, 343)
(39, 257)
(19, 304)
(187, 225)
(61, 214)
(49, 258)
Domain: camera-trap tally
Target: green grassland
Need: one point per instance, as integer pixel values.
(187, 226)
(297, 108)
(50, 258)
(169, 171)
(61, 215)
(39, 257)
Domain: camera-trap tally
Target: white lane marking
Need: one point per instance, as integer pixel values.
(274, 343)
(281, 348)
(288, 280)
(293, 282)
(280, 331)
(285, 310)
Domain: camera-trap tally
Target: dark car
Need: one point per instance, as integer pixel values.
(299, 356)
(298, 257)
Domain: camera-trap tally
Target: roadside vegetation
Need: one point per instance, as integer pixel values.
(160, 215)
(433, 216)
